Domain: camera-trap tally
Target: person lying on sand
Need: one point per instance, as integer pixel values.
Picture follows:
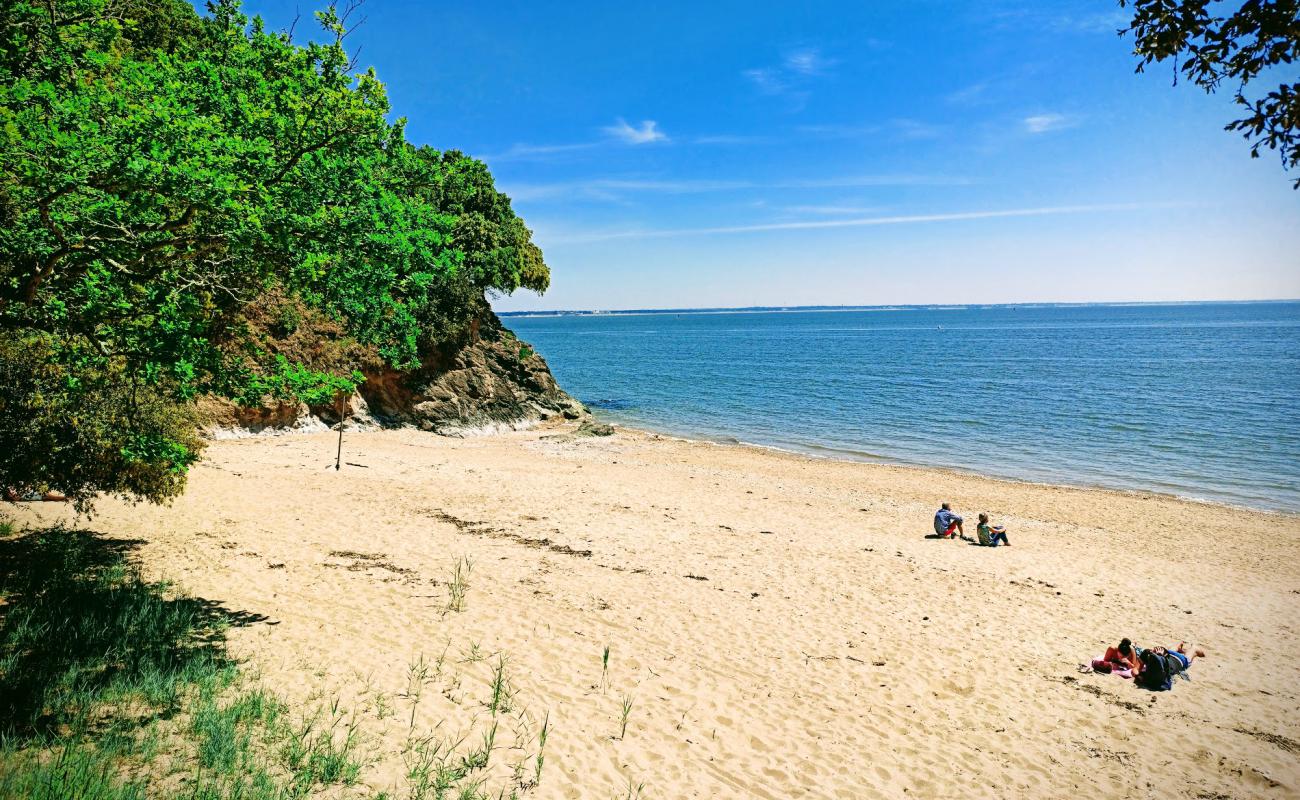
(1122, 661)
(49, 497)
(948, 524)
(1180, 653)
(989, 536)
(1161, 664)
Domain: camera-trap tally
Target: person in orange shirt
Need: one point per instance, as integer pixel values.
(1121, 660)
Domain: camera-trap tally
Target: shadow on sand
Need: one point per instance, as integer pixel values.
(79, 628)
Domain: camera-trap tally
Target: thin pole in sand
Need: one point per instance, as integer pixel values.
(338, 457)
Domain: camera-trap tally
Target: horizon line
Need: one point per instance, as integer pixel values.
(880, 307)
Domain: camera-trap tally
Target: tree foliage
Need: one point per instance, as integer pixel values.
(1214, 44)
(162, 174)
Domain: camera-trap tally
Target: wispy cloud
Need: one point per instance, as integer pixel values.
(645, 134)
(970, 95)
(900, 128)
(863, 222)
(792, 75)
(768, 80)
(520, 151)
(873, 180)
(728, 138)
(1047, 17)
(612, 188)
(831, 210)
(914, 129)
(807, 62)
(839, 130)
(1046, 123)
(1101, 22)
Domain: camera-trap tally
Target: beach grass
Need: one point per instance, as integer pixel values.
(624, 710)
(604, 669)
(117, 688)
(501, 692)
(458, 586)
(541, 749)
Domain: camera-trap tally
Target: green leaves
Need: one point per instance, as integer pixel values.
(295, 382)
(1209, 50)
(162, 174)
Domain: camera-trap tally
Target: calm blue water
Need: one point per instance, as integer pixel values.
(1194, 400)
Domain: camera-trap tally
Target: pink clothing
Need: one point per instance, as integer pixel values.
(1119, 668)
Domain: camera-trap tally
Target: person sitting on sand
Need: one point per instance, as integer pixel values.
(948, 524)
(989, 536)
(1122, 661)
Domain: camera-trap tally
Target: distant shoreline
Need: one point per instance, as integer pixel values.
(914, 307)
(818, 453)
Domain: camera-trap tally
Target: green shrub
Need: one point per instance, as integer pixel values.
(159, 175)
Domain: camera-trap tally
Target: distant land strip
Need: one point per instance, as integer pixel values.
(924, 307)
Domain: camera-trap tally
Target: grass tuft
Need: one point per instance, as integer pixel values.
(502, 692)
(604, 669)
(625, 708)
(541, 748)
(458, 586)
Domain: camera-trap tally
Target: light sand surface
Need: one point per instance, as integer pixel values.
(780, 624)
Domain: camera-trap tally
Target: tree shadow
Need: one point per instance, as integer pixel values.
(80, 630)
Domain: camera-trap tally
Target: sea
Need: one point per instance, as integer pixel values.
(1198, 400)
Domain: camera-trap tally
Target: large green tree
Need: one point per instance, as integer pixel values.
(1216, 44)
(169, 182)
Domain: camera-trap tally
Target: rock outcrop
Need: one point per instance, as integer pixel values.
(492, 382)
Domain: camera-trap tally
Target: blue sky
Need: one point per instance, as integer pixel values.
(741, 153)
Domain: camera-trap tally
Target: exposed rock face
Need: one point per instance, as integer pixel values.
(223, 419)
(493, 382)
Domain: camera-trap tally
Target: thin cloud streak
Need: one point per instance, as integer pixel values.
(1110, 22)
(969, 95)
(1047, 123)
(874, 180)
(727, 138)
(603, 188)
(807, 62)
(621, 131)
(791, 77)
(645, 134)
(1037, 19)
(849, 223)
(521, 151)
(903, 128)
(831, 210)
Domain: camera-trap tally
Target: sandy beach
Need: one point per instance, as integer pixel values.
(778, 626)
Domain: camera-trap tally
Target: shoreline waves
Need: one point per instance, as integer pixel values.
(833, 455)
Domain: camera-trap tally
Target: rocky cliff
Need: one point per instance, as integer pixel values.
(492, 381)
